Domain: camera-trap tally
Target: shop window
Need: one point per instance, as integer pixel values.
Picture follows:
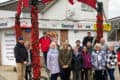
(114, 35)
(119, 25)
(86, 8)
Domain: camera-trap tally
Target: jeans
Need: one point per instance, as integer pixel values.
(77, 75)
(111, 74)
(99, 74)
(20, 71)
(54, 76)
(65, 74)
(106, 75)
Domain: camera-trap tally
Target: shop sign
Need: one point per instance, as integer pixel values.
(79, 25)
(67, 25)
(88, 26)
(84, 26)
(4, 24)
(106, 27)
(8, 44)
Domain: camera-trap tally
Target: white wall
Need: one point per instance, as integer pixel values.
(81, 15)
(5, 14)
(58, 11)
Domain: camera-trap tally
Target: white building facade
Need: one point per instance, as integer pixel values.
(70, 22)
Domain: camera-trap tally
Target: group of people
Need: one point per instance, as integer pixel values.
(86, 62)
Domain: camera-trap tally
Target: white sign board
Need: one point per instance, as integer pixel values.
(44, 24)
(8, 44)
(6, 23)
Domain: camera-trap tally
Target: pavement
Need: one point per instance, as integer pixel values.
(2, 78)
(7, 73)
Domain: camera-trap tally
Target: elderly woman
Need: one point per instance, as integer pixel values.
(111, 59)
(98, 59)
(52, 61)
(87, 66)
(65, 58)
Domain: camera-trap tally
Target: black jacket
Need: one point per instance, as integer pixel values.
(77, 62)
(20, 52)
(87, 39)
(118, 50)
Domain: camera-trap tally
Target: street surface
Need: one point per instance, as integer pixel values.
(10, 75)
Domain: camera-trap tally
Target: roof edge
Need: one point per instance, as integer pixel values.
(114, 18)
(7, 2)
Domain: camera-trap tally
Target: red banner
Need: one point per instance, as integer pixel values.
(21, 4)
(17, 29)
(99, 27)
(46, 1)
(26, 3)
(35, 43)
(71, 1)
(91, 3)
(19, 7)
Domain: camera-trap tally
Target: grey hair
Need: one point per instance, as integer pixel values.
(52, 43)
(98, 45)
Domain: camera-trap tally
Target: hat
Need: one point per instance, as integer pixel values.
(20, 38)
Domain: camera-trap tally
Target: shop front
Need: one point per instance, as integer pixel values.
(62, 30)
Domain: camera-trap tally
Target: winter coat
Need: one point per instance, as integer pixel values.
(45, 43)
(86, 40)
(65, 57)
(80, 49)
(98, 59)
(111, 59)
(77, 62)
(52, 61)
(86, 60)
(20, 52)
